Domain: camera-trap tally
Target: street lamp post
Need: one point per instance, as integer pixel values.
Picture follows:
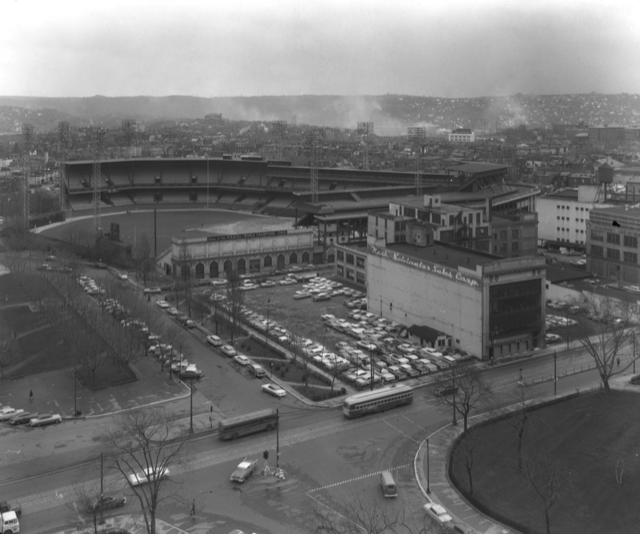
(266, 334)
(428, 474)
(555, 373)
(75, 393)
(455, 421)
(191, 408)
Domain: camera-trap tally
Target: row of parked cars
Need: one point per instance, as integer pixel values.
(241, 359)
(89, 285)
(15, 416)
(182, 318)
(320, 288)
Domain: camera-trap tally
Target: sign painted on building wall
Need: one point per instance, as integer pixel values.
(245, 236)
(451, 274)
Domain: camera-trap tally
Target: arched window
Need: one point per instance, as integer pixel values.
(227, 267)
(199, 270)
(268, 261)
(213, 269)
(293, 258)
(242, 266)
(280, 261)
(305, 257)
(185, 271)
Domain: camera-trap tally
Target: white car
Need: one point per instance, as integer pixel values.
(438, 512)
(123, 276)
(241, 359)
(274, 390)
(218, 282)
(8, 412)
(215, 341)
(148, 474)
(46, 419)
(152, 290)
(228, 350)
(244, 470)
(173, 311)
(162, 304)
(287, 282)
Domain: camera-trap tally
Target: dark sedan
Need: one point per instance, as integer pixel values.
(22, 418)
(107, 502)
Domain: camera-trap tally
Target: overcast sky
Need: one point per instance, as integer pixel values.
(445, 48)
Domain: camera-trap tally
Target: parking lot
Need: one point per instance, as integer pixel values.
(329, 325)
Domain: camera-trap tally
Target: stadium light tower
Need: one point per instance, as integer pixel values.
(98, 144)
(416, 137)
(365, 129)
(129, 131)
(28, 137)
(280, 132)
(63, 140)
(312, 140)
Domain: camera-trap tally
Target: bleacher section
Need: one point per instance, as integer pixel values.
(280, 202)
(176, 173)
(228, 198)
(119, 179)
(253, 181)
(121, 199)
(248, 200)
(81, 202)
(144, 176)
(230, 177)
(175, 197)
(144, 198)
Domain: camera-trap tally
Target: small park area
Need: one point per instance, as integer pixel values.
(590, 443)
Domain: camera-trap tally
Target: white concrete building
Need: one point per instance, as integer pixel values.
(462, 135)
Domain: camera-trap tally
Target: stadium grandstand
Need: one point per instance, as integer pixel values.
(256, 185)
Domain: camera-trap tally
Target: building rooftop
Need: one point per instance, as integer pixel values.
(626, 210)
(478, 166)
(565, 194)
(445, 255)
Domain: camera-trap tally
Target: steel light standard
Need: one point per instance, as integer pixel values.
(455, 421)
(191, 408)
(555, 373)
(266, 334)
(428, 474)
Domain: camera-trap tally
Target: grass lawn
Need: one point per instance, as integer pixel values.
(586, 438)
(168, 224)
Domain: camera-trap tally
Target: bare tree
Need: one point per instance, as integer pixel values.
(184, 259)
(235, 300)
(465, 450)
(298, 356)
(612, 327)
(544, 477)
(144, 441)
(519, 421)
(357, 516)
(200, 307)
(470, 391)
(217, 313)
(8, 353)
(142, 256)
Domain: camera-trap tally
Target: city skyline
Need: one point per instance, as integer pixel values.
(445, 49)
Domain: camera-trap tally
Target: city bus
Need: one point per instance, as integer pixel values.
(377, 401)
(249, 423)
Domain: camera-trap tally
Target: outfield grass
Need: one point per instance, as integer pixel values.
(586, 437)
(168, 224)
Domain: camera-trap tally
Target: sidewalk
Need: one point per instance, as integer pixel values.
(133, 524)
(431, 471)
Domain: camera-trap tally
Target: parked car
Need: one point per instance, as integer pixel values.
(191, 371)
(447, 390)
(215, 341)
(123, 276)
(147, 475)
(8, 412)
(163, 304)
(273, 389)
(228, 350)
(438, 512)
(172, 311)
(100, 265)
(46, 419)
(108, 502)
(244, 470)
(22, 418)
(218, 282)
(241, 359)
(152, 290)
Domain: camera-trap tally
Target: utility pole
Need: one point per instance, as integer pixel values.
(75, 393)
(455, 421)
(634, 354)
(191, 408)
(428, 474)
(277, 438)
(555, 373)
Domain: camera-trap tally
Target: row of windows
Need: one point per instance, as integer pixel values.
(369, 404)
(241, 265)
(614, 254)
(568, 219)
(628, 240)
(515, 234)
(577, 208)
(562, 229)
